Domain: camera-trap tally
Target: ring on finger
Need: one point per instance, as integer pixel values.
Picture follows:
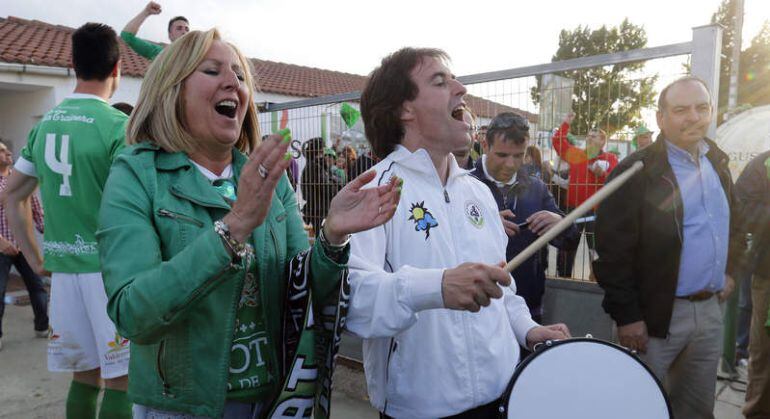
(262, 171)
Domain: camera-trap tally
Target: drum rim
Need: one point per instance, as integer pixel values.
(519, 368)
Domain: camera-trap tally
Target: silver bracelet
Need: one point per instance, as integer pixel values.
(328, 245)
(241, 251)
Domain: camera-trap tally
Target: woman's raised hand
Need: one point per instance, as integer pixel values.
(256, 184)
(355, 209)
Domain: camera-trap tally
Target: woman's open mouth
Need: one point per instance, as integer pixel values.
(226, 108)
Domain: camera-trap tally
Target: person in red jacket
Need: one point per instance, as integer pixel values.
(588, 170)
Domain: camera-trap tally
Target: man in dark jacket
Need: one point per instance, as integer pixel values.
(317, 184)
(526, 206)
(753, 191)
(662, 241)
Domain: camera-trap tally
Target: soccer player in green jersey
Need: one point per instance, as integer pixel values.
(177, 27)
(69, 154)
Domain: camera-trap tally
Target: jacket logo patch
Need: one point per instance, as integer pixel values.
(422, 218)
(474, 214)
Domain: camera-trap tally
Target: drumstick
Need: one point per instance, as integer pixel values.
(570, 218)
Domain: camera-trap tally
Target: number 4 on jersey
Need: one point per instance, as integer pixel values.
(60, 165)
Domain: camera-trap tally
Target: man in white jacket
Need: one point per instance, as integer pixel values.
(441, 327)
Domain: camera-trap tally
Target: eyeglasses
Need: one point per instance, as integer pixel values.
(226, 188)
(507, 120)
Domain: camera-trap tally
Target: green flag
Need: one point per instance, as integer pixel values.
(349, 114)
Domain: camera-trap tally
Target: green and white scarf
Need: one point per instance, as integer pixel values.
(310, 342)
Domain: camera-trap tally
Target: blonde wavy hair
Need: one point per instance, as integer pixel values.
(159, 115)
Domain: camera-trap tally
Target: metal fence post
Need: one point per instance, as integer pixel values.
(705, 61)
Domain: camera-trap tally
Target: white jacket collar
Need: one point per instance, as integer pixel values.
(420, 161)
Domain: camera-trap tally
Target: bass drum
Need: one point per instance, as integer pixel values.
(584, 378)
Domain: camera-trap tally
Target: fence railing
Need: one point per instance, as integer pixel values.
(331, 148)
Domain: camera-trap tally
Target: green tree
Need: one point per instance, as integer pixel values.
(754, 70)
(609, 97)
(725, 16)
(754, 83)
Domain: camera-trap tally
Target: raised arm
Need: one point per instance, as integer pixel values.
(561, 144)
(134, 24)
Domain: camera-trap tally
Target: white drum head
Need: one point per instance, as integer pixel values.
(584, 378)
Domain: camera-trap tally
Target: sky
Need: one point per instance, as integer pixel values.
(353, 36)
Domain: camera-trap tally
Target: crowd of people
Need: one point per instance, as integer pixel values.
(184, 283)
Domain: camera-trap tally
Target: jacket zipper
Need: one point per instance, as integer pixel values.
(177, 216)
(393, 346)
(463, 317)
(162, 349)
(161, 357)
(275, 365)
(199, 290)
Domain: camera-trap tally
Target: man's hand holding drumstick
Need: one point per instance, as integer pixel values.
(472, 286)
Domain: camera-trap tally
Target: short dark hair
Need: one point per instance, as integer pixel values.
(511, 126)
(174, 19)
(124, 107)
(662, 97)
(95, 51)
(386, 90)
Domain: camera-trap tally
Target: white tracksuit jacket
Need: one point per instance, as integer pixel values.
(422, 360)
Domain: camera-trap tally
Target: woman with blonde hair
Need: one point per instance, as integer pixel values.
(206, 263)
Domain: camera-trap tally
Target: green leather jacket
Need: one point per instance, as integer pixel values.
(171, 288)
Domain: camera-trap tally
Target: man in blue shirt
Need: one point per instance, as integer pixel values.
(664, 248)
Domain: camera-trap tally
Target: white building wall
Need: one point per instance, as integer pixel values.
(19, 111)
(26, 93)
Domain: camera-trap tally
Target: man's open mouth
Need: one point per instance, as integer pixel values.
(459, 111)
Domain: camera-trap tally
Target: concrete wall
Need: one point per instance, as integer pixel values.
(578, 304)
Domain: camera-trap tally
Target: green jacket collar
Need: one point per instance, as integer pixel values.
(190, 184)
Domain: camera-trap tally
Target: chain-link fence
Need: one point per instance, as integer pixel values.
(612, 94)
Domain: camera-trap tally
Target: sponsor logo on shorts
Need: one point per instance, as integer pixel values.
(119, 343)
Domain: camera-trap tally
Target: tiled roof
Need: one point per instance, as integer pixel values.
(488, 109)
(34, 42)
(295, 80)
